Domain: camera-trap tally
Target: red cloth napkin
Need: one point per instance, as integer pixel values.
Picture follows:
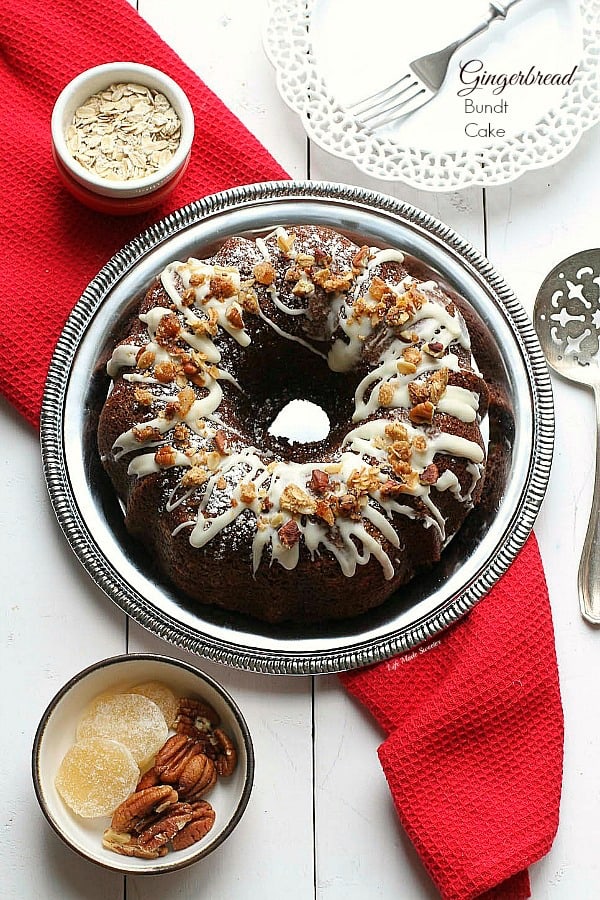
(473, 755)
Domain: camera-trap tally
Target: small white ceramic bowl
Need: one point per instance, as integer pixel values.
(56, 733)
(126, 196)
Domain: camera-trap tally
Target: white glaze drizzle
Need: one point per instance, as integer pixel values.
(348, 541)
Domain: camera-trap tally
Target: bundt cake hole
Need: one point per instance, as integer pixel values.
(301, 422)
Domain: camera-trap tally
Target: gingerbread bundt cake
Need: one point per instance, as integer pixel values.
(234, 515)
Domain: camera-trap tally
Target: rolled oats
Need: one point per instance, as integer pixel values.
(126, 131)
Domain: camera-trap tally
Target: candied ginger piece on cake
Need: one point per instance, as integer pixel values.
(132, 719)
(95, 776)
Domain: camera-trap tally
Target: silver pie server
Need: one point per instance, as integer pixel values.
(566, 317)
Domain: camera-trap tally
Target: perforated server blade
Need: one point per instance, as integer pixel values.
(566, 317)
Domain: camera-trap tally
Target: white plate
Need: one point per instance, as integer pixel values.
(329, 54)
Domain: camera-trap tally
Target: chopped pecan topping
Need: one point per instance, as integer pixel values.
(412, 355)
(319, 481)
(264, 273)
(363, 481)
(143, 397)
(146, 433)
(385, 395)
(396, 431)
(303, 288)
(324, 511)
(221, 441)
(360, 259)
(379, 289)
(206, 324)
(419, 442)
(248, 300)
(399, 454)
(438, 382)
(165, 456)
(430, 474)
(333, 283)
(185, 400)
(289, 534)
(188, 297)
(167, 330)
(409, 337)
(194, 477)
(234, 317)
(431, 389)
(305, 260)
(422, 413)
(180, 434)
(349, 505)
(144, 359)
(391, 488)
(406, 368)
(294, 499)
(222, 287)
(285, 242)
(397, 316)
(418, 391)
(197, 278)
(165, 372)
(293, 274)
(248, 492)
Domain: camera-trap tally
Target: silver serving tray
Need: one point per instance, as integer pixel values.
(92, 519)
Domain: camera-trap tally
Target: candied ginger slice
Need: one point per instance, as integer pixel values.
(95, 776)
(132, 719)
(160, 694)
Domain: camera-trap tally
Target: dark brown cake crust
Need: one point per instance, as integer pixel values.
(162, 509)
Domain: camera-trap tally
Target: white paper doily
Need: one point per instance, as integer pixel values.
(311, 46)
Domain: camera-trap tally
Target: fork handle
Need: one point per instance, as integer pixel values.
(497, 10)
(589, 566)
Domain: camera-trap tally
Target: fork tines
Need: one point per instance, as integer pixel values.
(394, 101)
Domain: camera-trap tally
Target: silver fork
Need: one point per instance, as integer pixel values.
(423, 80)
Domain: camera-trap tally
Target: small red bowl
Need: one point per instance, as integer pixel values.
(129, 196)
(117, 206)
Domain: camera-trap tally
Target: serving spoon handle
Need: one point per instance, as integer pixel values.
(589, 566)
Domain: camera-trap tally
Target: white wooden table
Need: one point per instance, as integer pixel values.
(320, 823)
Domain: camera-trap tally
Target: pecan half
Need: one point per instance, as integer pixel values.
(165, 828)
(225, 754)
(203, 819)
(125, 845)
(128, 815)
(173, 757)
(149, 779)
(195, 717)
(197, 778)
